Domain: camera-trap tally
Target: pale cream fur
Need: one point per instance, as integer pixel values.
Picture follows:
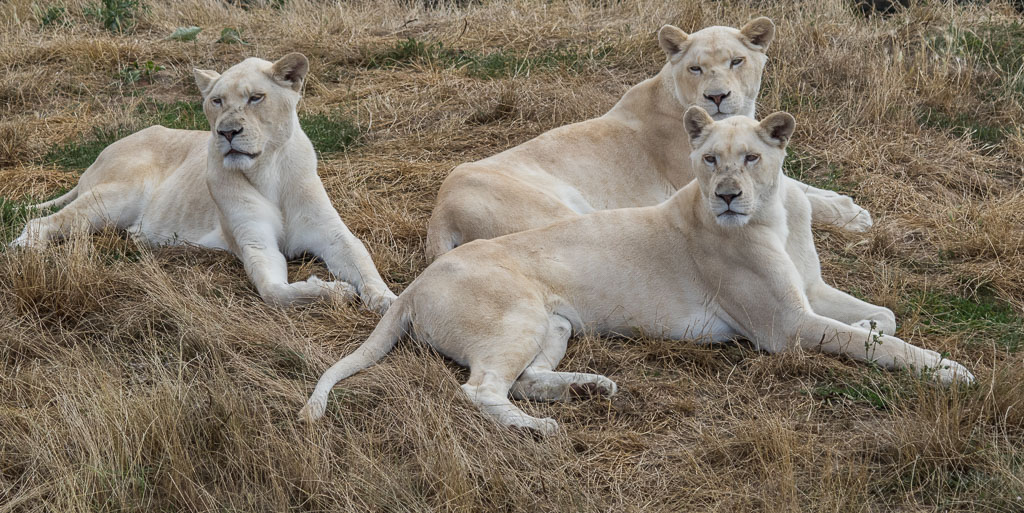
(625, 158)
(249, 186)
(728, 256)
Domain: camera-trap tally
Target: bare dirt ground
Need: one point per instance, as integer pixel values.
(138, 380)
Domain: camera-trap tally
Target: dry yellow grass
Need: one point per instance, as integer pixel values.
(158, 381)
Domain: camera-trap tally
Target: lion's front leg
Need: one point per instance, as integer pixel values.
(821, 333)
(268, 270)
(836, 304)
(348, 259)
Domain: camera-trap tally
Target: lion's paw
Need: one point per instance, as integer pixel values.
(377, 298)
(313, 410)
(601, 386)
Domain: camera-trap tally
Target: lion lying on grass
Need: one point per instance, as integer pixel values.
(248, 186)
(625, 158)
(729, 255)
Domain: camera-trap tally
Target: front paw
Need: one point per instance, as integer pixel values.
(881, 323)
(337, 290)
(377, 298)
(947, 371)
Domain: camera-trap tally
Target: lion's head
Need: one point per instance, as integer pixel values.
(251, 107)
(737, 161)
(718, 68)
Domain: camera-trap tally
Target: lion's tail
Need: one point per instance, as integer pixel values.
(390, 328)
(68, 197)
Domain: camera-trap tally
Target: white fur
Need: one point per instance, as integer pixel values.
(180, 186)
(506, 307)
(626, 158)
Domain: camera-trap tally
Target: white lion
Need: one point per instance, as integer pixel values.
(729, 255)
(249, 185)
(625, 158)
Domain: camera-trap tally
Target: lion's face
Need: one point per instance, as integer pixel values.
(737, 161)
(718, 68)
(251, 107)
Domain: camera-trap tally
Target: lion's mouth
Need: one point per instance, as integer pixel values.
(233, 151)
(730, 212)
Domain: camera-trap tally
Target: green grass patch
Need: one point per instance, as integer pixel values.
(877, 395)
(997, 46)
(82, 153)
(330, 133)
(13, 216)
(960, 125)
(410, 52)
(801, 166)
(180, 114)
(984, 318)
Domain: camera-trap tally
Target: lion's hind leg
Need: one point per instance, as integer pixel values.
(829, 207)
(496, 365)
(102, 206)
(540, 382)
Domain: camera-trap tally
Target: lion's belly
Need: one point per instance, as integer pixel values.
(687, 324)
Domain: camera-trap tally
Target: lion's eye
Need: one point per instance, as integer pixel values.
(736, 62)
(256, 98)
(216, 101)
(753, 158)
(695, 69)
(710, 159)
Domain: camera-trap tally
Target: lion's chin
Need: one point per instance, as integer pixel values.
(732, 218)
(718, 116)
(239, 161)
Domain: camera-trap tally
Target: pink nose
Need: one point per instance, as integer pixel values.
(727, 198)
(717, 98)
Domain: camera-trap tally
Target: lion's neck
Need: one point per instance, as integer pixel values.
(652, 110)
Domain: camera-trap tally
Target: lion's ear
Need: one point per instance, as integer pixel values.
(672, 40)
(759, 33)
(777, 128)
(697, 121)
(205, 79)
(290, 70)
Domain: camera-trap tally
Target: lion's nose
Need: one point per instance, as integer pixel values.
(230, 134)
(727, 198)
(718, 98)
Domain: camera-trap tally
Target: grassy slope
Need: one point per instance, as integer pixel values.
(158, 381)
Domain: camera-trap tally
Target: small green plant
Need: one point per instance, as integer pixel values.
(115, 15)
(185, 34)
(53, 16)
(133, 72)
(231, 36)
